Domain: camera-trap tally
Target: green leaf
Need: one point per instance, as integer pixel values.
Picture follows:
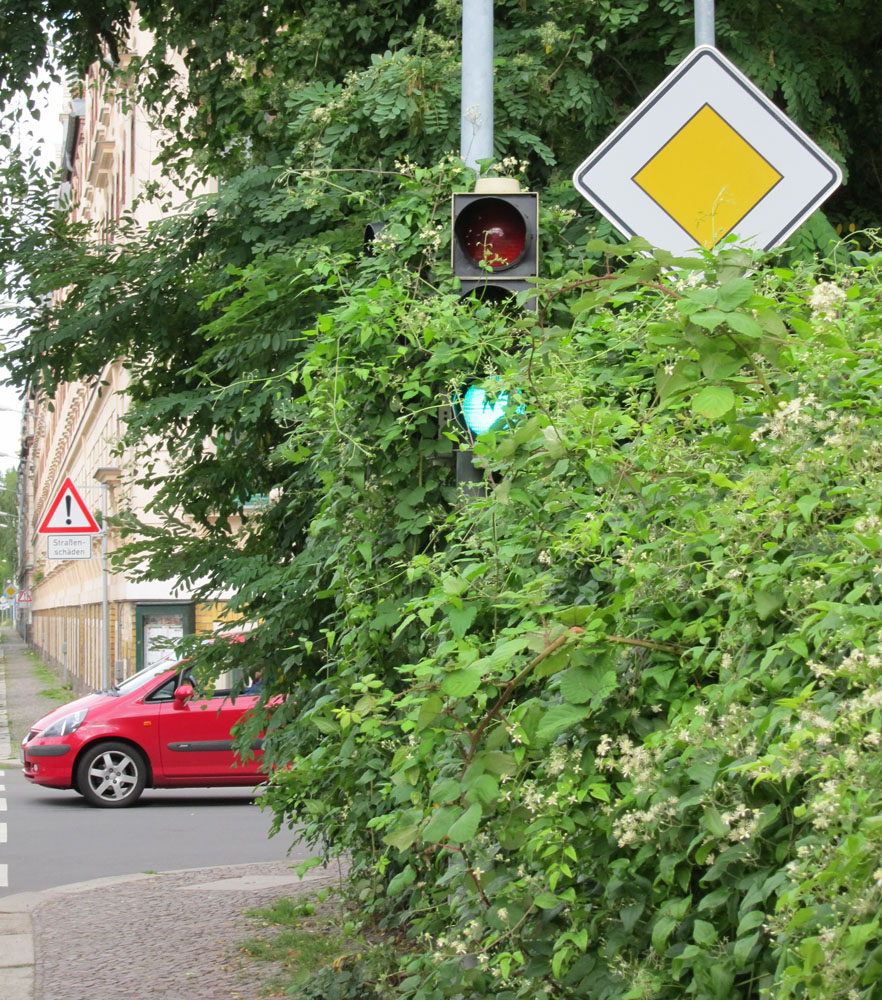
(465, 828)
(401, 881)
(445, 790)
(704, 933)
(768, 602)
(547, 901)
(484, 788)
(709, 319)
(462, 683)
(461, 618)
(558, 718)
(578, 685)
(743, 948)
(662, 930)
(717, 365)
(714, 823)
(503, 654)
(430, 709)
(439, 825)
(750, 921)
(713, 402)
(734, 293)
(403, 838)
(806, 504)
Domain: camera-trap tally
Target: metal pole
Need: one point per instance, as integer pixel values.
(476, 121)
(704, 23)
(105, 609)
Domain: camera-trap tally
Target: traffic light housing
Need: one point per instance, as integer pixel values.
(495, 240)
(494, 251)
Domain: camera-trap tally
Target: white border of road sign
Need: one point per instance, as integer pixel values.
(706, 76)
(69, 546)
(68, 519)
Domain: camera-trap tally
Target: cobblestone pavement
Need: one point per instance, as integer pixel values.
(172, 935)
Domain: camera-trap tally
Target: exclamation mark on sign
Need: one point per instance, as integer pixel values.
(67, 501)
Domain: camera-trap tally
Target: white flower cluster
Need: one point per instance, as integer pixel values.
(789, 416)
(742, 823)
(511, 165)
(383, 241)
(826, 299)
(639, 826)
(871, 524)
(432, 235)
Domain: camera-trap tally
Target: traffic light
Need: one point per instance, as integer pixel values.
(495, 241)
(480, 409)
(494, 250)
(371, 231)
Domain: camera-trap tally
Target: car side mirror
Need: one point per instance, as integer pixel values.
(183, 693)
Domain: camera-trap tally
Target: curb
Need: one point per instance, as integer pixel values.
(5, 742)
(17, 954)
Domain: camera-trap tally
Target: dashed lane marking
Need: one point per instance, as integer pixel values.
(2, 805)
(2, 833)
(4, 876)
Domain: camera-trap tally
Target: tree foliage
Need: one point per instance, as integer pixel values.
(8, 525)
(610, 728)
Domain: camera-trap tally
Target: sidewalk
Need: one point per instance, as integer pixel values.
(165, 935)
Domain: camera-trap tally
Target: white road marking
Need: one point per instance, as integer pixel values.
(2, 833)
(4, 876)
(2, 805)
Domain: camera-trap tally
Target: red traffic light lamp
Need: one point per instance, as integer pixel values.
(495, 244)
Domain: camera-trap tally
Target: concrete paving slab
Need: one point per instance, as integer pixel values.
(16, 949)
(14, 923)
(18, 984)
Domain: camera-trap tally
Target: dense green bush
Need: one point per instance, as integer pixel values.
(611, 730)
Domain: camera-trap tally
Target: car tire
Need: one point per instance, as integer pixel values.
(111, 775)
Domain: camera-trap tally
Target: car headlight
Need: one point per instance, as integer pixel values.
(69, 724)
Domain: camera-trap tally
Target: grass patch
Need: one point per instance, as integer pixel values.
(54, 688)
(307, 938)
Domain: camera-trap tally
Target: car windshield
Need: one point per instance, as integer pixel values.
(144, 676)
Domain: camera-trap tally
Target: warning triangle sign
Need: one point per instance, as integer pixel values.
(68, 515)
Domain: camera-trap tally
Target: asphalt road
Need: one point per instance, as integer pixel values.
(54, 838)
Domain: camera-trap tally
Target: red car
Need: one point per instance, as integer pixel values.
(148, 730)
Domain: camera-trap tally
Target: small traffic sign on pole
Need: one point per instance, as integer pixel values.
(69, 546)
(705, 155)
(24, 597)
(68, 515)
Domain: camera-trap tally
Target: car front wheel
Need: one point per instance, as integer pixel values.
(111, 775)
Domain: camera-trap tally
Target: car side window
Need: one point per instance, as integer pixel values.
(165, 691)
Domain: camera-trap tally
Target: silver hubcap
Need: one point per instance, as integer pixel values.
(113, 775)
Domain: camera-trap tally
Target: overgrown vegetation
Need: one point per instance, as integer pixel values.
(612, 729)
(315, 950)
(8, 526)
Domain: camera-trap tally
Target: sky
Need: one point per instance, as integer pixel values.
(48, 129)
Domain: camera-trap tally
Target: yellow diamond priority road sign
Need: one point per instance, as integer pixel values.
(705, 155)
